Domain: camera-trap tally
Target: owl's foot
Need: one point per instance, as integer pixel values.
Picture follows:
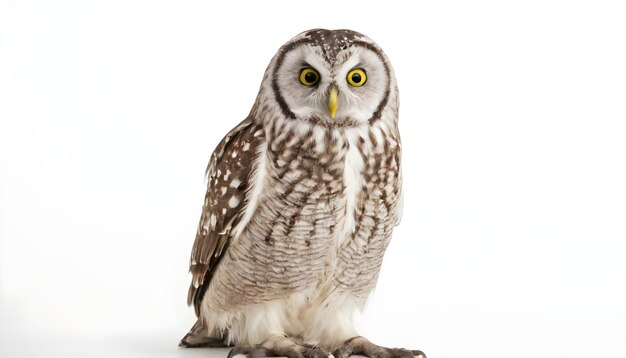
(292, 350)
(361, 346)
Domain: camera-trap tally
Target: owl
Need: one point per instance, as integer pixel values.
(302, 199)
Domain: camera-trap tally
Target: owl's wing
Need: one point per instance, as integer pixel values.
(229, 173)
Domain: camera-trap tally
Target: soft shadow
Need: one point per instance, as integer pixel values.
(161, 345)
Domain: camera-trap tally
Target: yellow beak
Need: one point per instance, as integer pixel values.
(332, 102)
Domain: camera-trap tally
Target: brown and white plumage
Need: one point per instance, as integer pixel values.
(300, 206)
(228, 178)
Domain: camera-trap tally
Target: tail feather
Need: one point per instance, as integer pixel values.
(198, 337)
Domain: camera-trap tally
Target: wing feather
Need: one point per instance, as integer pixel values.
(229, 176)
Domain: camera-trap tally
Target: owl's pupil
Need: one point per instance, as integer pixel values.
(310, 77)
(356, 78)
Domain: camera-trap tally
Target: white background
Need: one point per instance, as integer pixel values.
(513, 116)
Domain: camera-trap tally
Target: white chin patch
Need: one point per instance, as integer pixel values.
(360, 116)
(307, 112)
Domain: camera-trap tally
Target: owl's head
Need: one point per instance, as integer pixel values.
(331, 77)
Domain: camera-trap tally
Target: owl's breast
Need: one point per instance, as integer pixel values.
(324, 209)
(334, 195)
(304, 200)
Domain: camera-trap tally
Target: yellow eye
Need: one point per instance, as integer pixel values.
(357, 77)
(309, 76)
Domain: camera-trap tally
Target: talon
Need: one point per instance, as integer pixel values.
(361, 346)
(343, 352)
(260, 353)
(290, 351)
(239, 350)
(315, 353)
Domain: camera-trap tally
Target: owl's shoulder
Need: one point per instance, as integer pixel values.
(239, 140)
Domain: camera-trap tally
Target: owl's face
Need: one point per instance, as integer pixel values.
(335, 77)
